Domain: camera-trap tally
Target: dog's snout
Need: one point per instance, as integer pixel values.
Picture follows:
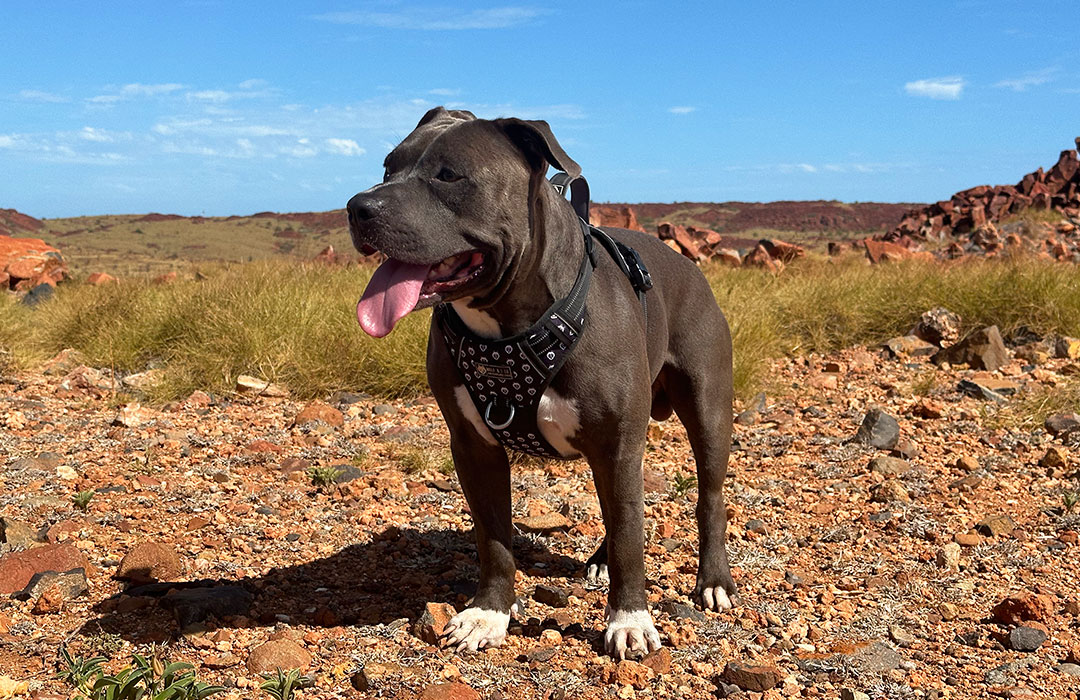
(364, 207)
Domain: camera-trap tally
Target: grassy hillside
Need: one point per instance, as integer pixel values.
(295, 324)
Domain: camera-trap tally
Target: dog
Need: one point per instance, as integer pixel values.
(467, 219)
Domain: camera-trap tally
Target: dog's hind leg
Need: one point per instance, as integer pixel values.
(596, 568)
(702, 398)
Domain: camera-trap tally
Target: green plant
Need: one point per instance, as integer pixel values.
(414, 460)
(281, 685)
(1070, 499)
(683, 483)
(81, 500)
(446, 465)
(145, 678)
(324, 477)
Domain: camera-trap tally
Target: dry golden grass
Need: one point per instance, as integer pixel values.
(294, 323)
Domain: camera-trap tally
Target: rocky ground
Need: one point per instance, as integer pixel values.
(945, 566)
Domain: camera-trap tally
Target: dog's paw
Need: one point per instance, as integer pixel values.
(630, 631)
(716, 598)
(597, 575)
(476, 628)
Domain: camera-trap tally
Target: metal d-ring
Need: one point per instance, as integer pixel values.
(500, 426)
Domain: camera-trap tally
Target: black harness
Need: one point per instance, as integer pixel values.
(507, 377)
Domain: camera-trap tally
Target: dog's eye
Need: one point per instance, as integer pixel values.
(448, 175)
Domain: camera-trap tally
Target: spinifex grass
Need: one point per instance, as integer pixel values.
(294, 324)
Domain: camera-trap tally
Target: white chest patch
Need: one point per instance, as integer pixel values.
(558, 421)
(479, 322)
(468, 409)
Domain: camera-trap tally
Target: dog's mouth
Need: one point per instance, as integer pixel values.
(397, 288)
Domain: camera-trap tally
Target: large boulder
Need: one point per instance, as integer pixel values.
(29, 262)
(982, 349)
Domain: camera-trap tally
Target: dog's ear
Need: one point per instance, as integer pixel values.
(535, 139)
(435, 113)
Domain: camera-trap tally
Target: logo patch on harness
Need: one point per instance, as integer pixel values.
(502, 372)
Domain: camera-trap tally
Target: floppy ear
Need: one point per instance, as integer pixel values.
(535, 139)
(441, 113)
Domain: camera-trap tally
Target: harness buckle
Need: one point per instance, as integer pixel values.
(499, 426)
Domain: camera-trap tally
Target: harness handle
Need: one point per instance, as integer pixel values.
(579, 192)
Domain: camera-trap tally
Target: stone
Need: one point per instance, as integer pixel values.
(283, 654)
(1054, 458)
(259, 387)
(948, 611)
(97, 279)
(982, 349)
(449, 691)
(889, 491)
(1022, 607)
(782, 250)
(1026, 638)
(17, 534)
(375, 673)
(319, 411)
(681, 611)
(18, 568)
(995, 525)
(852, 694)
(879, 430)
(988, 390)
(757, 526)
(1067, 348)
(192, 606)
(1062, 424)
(552, 595)
(1005, 673)
(948, 557)
(627, 672)
(150, 561)
(910, 345)
(61, 586)
(132, 415)
(659, 661)
(754, 678)
(544, 524)
(901, 636)
(1069, 669)
(938, 326)
(432, 622)
(889, 466)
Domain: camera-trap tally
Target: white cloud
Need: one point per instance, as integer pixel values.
(103, 99)
(936, 88)
(684, 109)
(89, 133)
(1027, 80)
(210, 95)
(144, 90)
(7, 141)
(444, 92)
(253, 84)
(438, 18)
(40, 96)
(345, 147)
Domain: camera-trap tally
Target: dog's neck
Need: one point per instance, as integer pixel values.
(544, 271)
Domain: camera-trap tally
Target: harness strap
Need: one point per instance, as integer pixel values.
(579, 192)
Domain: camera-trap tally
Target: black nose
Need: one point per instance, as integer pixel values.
(364, 207)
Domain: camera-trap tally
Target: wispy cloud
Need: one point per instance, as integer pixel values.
(89, 133)
(444, 92)
(345, 147)
(1028, 80)
(437, 18)
(949, 88)
(682, 109)
(143, 90)
(40, 96)
(7, 141)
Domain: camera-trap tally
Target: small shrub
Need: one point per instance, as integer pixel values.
(281, 685)
(81, 500)
(324, 477)
(682, 484)
(148, 678)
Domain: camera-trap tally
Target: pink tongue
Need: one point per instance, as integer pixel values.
(392, 293)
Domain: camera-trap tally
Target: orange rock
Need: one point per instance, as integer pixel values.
(1023, 606)
(449, 691)
(99, 278)
(627, 673)
(319, 411)
(150, 561)
(17, 568)
(278, 654)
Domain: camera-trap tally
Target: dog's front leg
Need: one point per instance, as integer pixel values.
(484, 473)
(619, 486)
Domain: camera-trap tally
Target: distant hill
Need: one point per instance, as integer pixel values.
(155, 243)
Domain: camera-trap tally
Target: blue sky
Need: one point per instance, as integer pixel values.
(216, 107)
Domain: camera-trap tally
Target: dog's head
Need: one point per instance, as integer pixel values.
(455, 212)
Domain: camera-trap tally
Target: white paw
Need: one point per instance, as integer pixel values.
(715, 599)
(476, 628)
(630, 630)
(597, 575)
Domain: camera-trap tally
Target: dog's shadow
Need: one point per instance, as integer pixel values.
(382, 581)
